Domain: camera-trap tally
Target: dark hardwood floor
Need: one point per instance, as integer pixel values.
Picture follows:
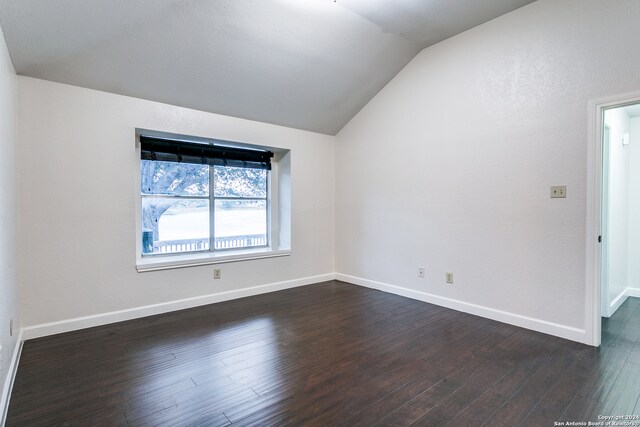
(325, 355)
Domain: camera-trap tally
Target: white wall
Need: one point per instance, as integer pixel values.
(8, 217)
(77, 220)
(617, 237)
(634, 204)
(449, 166)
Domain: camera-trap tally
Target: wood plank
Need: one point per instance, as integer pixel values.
(324, 354)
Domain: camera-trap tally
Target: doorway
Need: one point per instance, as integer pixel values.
(613, 216)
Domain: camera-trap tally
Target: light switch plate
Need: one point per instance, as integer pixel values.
(558, 191)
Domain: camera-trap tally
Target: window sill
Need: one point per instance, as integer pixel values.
(166, 262)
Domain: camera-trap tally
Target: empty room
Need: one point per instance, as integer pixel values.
(319, 213)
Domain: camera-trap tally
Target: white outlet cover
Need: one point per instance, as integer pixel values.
(558, 191)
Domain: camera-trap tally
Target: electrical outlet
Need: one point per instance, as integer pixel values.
(217, 273)
(449, 277)
(558, 191)
(421, 272)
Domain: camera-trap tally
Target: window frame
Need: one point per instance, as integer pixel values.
(278, 227)
(212, 211)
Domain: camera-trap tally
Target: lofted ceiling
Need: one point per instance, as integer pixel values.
(307, 64)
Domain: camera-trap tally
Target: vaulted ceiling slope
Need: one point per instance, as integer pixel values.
(307, 64)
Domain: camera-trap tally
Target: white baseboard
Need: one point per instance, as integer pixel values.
(620, 299)
(633, 292)
(53, 328)
(617, 302)
(543, 326)
(11, 376)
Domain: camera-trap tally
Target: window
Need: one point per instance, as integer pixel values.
(199, 197)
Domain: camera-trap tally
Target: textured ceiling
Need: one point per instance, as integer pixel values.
(308, 64)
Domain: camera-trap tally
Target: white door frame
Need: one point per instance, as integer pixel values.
(604, 221)
(594, 208)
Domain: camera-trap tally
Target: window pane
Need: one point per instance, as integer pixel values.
(240, 223)
(178, 179)
(171, 226)
(239, 182)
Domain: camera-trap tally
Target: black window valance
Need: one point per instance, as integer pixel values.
(169, 150)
